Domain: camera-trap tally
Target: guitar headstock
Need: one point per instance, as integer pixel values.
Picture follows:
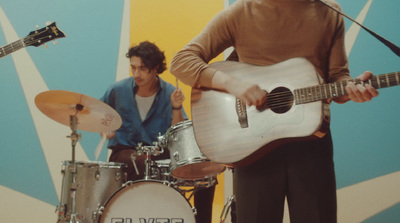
(44, 35)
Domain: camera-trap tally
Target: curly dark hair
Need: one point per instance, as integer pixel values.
(150, 54)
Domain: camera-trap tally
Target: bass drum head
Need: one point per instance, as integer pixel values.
(147, 201)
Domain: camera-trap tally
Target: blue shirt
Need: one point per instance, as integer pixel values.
(121, 97)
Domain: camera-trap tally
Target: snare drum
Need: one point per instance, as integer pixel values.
(187, 161)
(147, 201)
(95, 182)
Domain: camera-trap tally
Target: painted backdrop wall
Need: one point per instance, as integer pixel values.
(91, 57)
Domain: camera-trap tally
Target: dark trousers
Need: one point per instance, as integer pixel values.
(303, 172)
(203, 200)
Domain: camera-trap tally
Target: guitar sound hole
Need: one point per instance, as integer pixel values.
(280, 100)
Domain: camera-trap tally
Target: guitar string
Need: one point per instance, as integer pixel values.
(29, 40)
(283, 99)
(16, 45)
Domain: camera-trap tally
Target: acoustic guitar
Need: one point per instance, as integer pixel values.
(228, 132)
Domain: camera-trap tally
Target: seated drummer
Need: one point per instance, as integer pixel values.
(148, 106)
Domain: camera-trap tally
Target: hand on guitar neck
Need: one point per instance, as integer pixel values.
(358, 92)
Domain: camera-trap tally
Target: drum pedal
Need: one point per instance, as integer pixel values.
(226, 208)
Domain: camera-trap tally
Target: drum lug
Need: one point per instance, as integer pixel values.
(167, 183)
(75, 186)
(97, 175)
(128, 183)
(194, 211)
(63, 169)
(97, 213)
(72, 169)
(175, 136)
(176, 156)
(62, 210)
(117, 176)
(125, 177)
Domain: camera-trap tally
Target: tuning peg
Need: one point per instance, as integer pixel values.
(48, 23)
(37, 27)
(44, 45)
(55, 42)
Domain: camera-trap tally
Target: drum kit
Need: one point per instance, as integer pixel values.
(99, 192)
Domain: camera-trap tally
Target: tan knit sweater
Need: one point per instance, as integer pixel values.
(265, 32)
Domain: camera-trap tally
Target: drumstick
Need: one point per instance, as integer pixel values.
(100, 146)
(177, 84)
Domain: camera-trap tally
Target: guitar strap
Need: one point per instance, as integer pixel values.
(389, 44)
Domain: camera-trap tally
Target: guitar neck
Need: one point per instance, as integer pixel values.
(337, 89)
(12, 47)
(34, 38)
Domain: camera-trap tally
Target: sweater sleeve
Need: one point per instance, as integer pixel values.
(338, 62)
(190, 65)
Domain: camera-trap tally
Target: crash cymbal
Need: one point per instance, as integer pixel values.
(92, 115)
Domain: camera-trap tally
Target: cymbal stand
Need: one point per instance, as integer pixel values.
(75, 137)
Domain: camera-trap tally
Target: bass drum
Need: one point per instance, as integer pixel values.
(147, 201)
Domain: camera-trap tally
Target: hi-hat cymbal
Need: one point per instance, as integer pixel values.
(92, 115)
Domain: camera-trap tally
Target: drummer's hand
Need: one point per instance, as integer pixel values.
(177, 98)
(108, 135)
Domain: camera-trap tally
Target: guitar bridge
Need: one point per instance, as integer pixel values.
(241, 112)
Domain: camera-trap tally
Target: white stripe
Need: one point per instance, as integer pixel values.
(123, 62)
(52, 135)
(352, 33)
(18, 207)
(361, 201)
(123, 65)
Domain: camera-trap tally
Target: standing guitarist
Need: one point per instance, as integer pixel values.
(266, 32)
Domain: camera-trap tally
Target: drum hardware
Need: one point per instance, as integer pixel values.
(148, 151)
(160, 170)
(74, 216)
(133, 159)
(78, 112)
(176, 156)
(162, 143)
(226, 208)
(81, 112)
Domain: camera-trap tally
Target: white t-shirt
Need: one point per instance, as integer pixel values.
(144, 104)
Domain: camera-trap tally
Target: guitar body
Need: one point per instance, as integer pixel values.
(215, 120)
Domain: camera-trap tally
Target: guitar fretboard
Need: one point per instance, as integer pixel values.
(337, 89)
(12, 47)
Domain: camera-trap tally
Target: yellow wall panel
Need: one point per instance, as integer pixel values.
(170, 25)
